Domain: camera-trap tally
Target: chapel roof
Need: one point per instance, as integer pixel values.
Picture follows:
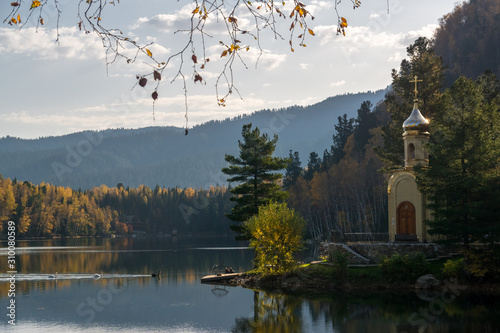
(416, 122)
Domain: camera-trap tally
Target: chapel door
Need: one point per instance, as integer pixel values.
(406, 223)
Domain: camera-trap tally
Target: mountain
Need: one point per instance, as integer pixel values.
(164, 155)
(468, 39)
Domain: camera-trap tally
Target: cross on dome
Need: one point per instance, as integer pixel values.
(416, 80)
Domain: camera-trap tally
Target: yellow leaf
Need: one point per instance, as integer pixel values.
(311, 32)
(224, 54)
(13, 20)
(196, 10)
(36, 4)
(149, 53)
(19, 18)
(343, 20)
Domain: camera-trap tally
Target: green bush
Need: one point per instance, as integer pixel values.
(405, 267)
(339, 260)
(453, 268)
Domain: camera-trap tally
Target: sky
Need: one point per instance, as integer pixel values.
(51, 88)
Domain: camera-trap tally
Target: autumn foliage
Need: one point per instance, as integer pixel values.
(276, 236)
(47, 210)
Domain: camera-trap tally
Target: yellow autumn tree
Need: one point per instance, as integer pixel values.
(276, 236)
(7, 200)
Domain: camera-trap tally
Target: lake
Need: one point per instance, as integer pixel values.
(128, 299)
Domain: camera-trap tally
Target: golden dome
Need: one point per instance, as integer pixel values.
(416, 122)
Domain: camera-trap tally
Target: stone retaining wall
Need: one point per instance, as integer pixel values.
(375, 252)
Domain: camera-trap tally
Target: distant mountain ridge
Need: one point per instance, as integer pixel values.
(164, 156)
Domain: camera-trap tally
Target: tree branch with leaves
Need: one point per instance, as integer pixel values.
(191, 57)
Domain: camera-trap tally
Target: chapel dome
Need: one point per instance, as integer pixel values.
(416, 122)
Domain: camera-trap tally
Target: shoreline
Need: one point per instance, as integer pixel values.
(301, 282)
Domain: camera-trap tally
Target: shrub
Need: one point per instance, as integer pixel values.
(339, 260)
(453, 268)
(276, 233)
(482, 264)
(405, 267)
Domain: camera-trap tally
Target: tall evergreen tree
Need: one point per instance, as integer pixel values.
(463, 181)
(314, 165)
(255, 170)
(343, 130)
(427, 66)
(293, 170)
(363, 124)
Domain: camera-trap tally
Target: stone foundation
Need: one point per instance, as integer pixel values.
(365, 253)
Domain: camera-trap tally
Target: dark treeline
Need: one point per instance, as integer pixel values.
(47, 210)
(343, 190)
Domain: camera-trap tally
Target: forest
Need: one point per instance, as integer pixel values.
(46, 210)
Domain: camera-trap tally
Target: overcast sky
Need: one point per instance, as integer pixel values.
(51, 89)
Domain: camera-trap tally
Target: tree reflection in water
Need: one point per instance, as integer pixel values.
(273, 312)
(366, 312)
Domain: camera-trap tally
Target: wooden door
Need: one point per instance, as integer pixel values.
(405, 216)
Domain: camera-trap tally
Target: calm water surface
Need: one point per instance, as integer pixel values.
(128, 299)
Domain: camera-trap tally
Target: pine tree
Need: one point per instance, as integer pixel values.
(428, 67)
(293, 170)
(343, 130)
(363, 124)
(463, 180)
(314, 165)
(255, 171)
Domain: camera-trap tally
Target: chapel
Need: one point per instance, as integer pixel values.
(407, 205)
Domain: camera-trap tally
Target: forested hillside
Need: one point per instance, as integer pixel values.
(164, 155)
(468, 39)
(46, 210)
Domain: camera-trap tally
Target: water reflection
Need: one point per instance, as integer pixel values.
(272, 313)
(372, 312)
(181, 260)
(128, 299)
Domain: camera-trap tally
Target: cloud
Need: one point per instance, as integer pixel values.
(315, 7)
(425, 31)
(161, 22)
(40, 43)
(395, 57)
(338, 83)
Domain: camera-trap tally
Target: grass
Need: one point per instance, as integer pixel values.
(325, 276)
(369, 275)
